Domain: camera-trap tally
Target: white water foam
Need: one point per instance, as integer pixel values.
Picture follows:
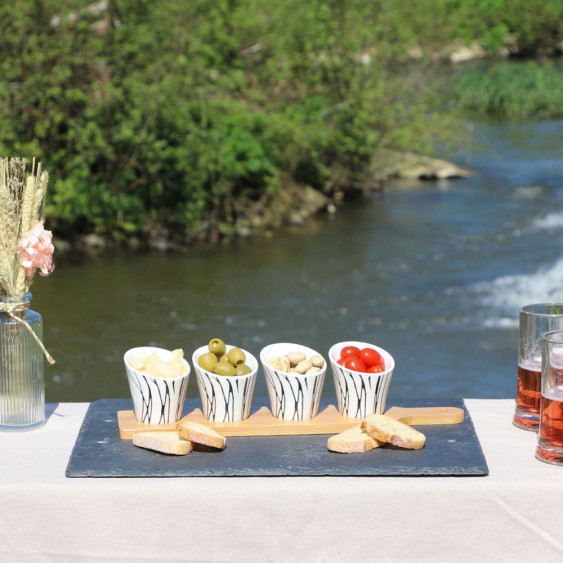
(501, 322)
(551, 221)
(511, 293)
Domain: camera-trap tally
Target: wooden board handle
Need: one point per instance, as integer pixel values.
(427, 415)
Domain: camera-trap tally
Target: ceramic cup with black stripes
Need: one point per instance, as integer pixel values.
(293, 396)
(225, 398)
(156, 400)
(359, 394)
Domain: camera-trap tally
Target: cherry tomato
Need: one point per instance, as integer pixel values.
(371, 357)
(375, 369)
(341, 361)
(354, 363)
(349, 351)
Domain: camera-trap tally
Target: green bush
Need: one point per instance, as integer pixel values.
(181, 114)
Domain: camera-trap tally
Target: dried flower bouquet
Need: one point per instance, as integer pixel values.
(25, 246)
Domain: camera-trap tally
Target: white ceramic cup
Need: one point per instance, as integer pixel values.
(359, 394)
(293, 396)
(156, 400)
(225, 398)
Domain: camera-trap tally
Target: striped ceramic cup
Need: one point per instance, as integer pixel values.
(359, 394)
(293, 396)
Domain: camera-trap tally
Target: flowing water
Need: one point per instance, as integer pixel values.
(433, 272)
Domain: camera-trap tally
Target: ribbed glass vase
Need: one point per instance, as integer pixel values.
(22, 381)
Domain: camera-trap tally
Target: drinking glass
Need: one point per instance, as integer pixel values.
(535, 321)
(550, 435)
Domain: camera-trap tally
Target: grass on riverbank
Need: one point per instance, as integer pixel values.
(513, 91)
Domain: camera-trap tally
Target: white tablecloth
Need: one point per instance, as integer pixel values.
(512, 514)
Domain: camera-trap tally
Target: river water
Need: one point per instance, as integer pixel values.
(433, 272)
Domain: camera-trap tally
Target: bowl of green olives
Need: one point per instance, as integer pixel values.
(226, 377)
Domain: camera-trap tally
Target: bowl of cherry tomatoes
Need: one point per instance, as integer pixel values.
(362, 376)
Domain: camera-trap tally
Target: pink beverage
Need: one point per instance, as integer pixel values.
(528, 395)
(550, 436)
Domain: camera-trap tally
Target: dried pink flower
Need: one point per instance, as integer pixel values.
(36, 251)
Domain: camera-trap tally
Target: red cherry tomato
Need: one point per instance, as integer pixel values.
(371, 357)
(375, 369)
(349, 351)
(341, 361)
(354, 363)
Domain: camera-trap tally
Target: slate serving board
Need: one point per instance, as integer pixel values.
(99, 452)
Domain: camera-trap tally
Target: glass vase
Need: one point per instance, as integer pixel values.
(22, 381)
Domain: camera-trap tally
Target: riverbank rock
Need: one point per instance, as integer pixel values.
(293, 205)
(93, 241)
(459, 52)
(464, 53)
(454, 53)
(389, 164)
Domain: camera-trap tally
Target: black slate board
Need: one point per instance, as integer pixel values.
(99, 452)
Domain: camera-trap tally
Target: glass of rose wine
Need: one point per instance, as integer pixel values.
(550, 434)
(535, 321)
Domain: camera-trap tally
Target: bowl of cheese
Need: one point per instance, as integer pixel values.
(158, 380)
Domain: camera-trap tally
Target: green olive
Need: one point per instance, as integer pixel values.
(223, 358)
(216, 346)
(224, 368)
(242, 369)
(207, 361)
(236, 356)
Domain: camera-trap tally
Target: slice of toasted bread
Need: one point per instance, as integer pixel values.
(387, 429)
(201, 434)
(352, 440)
(166, 442)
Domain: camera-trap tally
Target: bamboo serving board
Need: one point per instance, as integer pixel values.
(262, 423)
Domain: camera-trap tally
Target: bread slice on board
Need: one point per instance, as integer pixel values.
(164, 442)
(387, 429)
(201, 434)
(351, 441)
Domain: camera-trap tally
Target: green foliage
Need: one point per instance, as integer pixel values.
(536, 24)
(178, 114)
(513, 91)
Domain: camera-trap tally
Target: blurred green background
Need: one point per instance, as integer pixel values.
(187, 118)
